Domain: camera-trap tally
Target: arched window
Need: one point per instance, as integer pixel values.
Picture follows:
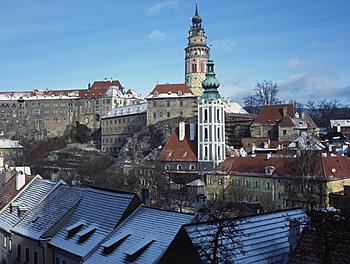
(179, 167)
(218, 115)
(205, 115)
(219, 152)
(218, 133)
(205, 152)
(167, 167)
(192, 167)
(206, 136)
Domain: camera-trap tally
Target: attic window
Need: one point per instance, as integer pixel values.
(134, 252)
(86, 233)
(333, 170)
(179, 92)
(269, 170)
(110, 245)
(75, 228)
(156, 93)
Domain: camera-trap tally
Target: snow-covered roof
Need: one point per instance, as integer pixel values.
(6, 143)
(340, 122)
(196, 183)
(261, 238)
(142, 238)
(126, 110)
(233, 107)
(39, 220)
(98, 211)
(28, 199)
(306, 142)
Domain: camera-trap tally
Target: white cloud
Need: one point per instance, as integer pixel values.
(326, 44)
(311, 85)
(223, 44)
(296, 63)
(158, 7)
(157, 35)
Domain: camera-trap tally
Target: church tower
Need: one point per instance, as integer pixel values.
(196, 55)
(211, 122)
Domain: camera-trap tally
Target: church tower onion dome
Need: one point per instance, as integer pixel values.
(196, 19)
(210, 84)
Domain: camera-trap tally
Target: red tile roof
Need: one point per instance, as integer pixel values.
(271, 114)
(105, 84)
(333, 168)
(8, 189)
(172, 88)
(176, 150)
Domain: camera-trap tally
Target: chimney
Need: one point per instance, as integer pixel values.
(330, 148)
(20, 180)
(192, 130)
(182, 131)
(284, 111)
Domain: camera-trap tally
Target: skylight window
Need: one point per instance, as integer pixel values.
(75, 228)
(135, 251)
(110, 245)
(86, 233)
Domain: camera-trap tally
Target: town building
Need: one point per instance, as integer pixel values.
(341, 125)
(169, 101)
(42, 113)
(14, 249)
(10, 151)
(121, 123)
(263, 238)
(279, 182)
(281, 122)
(211, 120)
(196, 56)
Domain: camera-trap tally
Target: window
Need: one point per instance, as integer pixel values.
(27, 254)
(205, 115)
(284, 131)
(19, 252)
(57, 260)
(179, 167)
(167, 167)
(5, 241)
(219, 152)
(256, 184)
(35, 257)
(221, 181)
(218, 115)
(192, 167)
(205, 133)
(215, 195)
(194, 67)
(168, 104)
(218, 134)
(10, 245)
(168, 114)
(181, 103)
(154, 104)
(205, 152)
(154, 115)
(267, 185)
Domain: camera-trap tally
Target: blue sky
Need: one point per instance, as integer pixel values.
(302, 45)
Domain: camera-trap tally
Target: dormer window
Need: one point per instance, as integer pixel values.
(156, 93)
(179, 92)
(269, 170)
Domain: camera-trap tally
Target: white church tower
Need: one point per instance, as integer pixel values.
(211, 120)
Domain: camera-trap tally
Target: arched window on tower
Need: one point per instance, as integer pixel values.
(206, 133)
(194, 67)
(205, 152)
(218, 115)
(205, 115)
(218, 133)
(219, 152)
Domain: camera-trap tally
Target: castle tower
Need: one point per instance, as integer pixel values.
(211, 122)
(196, 55)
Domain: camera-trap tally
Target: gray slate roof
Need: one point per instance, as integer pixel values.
(28, 199)
(261, 238)
(38, 221)
(146, 225)
(98, 211)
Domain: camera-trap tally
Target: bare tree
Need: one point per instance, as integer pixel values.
(325, 239)
(219, 239)
(251, 104)
(322, 111)
(266, 92)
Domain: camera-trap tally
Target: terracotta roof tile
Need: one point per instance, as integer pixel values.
(172, 88)
(8, 189)
(176, 150)
(271, 114)
(333, 168)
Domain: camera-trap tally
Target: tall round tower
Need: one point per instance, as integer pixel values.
(196, 55)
